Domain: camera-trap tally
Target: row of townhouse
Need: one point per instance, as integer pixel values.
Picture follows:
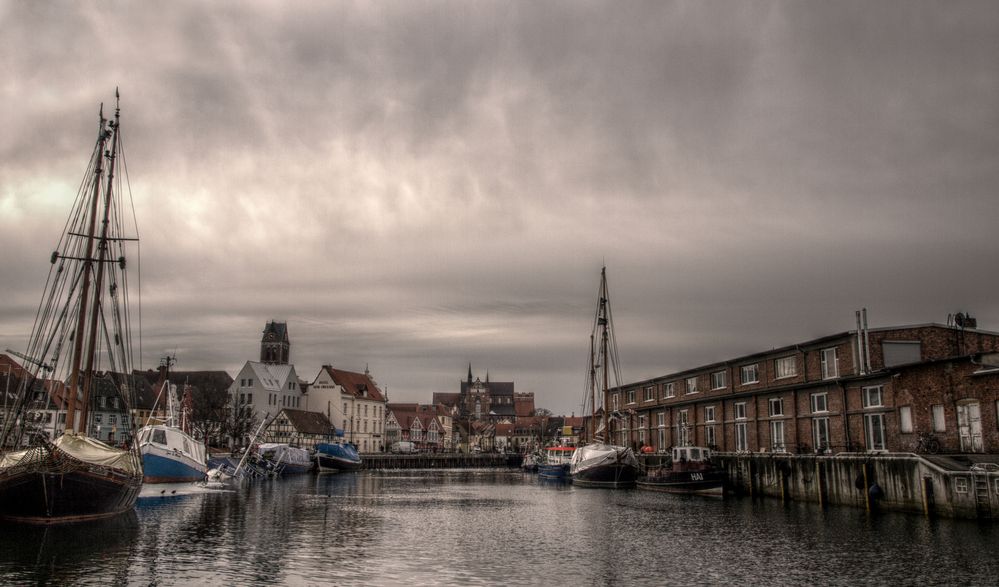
(430, 427)
(860, 390)
(351, 402)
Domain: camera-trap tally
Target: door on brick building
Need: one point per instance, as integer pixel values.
(969, 426)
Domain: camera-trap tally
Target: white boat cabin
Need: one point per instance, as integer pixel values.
(691, 454)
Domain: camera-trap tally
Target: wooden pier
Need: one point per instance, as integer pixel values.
(440, 461)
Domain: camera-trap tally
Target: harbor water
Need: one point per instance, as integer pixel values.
(490, 527)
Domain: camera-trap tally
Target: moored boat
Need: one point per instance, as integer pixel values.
(599, 463)
(288, 460)
(169, 453)
(690, 471)
(80, 351)
(332, 457)
(555, 466)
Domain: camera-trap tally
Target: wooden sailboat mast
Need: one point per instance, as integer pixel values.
(81, 323)
(602, 321)
(102, 253)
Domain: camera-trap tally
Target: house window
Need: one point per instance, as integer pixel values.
(641, 430)
(939, 424)
(249, 383)
(631, 396)
(661, 419)
(777, 435)
(112, 419)
(682, 429)
(691, 386)
(709, 413)
(960, 484)
(741, 438)
(830, 363)
(671, 392)
(874, 431)
(776, 406)
(615, 401)
(750, 374)
(820, 402)
(785, 367)
(650, 393)
(905, 419)
(662, 440)
(98, 419)
(709, 436)
(872, 397)
(718, 380)
(820, 434)
(740, 411)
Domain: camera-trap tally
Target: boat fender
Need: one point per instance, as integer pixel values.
(859, 482)
(875, 491)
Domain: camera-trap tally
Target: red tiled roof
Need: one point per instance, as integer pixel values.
(356, 384)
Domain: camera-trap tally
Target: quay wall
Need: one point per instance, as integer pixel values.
(440, 461)
(894, 481)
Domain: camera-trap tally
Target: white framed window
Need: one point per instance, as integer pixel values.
(873, 396)
(661, 419)
(709, 436)
(820, 402)
(960, 484)
(939, 423)
(662, 439)
(682, 428)
(692, 385)
(750, 374)
(776, 406)
(670, 390)
(829, 362)
(777, 435)
(820, 434)
(740, 410)
(631, 396)
(874, 431)
(785, 367)
(709, 413)
(615, 401)
(741, 437)
(718, 380)
(905, 419)
(650, 393)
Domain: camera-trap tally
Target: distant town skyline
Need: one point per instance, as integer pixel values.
(414, 187)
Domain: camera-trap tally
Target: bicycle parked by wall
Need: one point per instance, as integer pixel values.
(927, 443)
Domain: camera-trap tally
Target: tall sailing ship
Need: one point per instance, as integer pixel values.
(600, 463)
(75, 466)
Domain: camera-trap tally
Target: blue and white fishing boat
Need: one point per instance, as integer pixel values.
(555, 466)
(169, 454)
(337, 457)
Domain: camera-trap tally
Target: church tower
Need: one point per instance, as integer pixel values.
(275, 348)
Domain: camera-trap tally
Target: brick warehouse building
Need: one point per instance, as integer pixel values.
(873, 391)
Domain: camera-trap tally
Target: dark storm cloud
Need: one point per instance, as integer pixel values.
(416, 186)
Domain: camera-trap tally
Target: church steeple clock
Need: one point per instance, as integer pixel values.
(275, 347)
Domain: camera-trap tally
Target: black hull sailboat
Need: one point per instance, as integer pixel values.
(600, 464)
(57, 463)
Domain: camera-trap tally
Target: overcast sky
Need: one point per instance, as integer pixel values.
(416, 186)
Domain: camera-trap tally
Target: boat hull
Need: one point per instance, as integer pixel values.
(710, 483)
(332, 463)
(610, 476)
(337, 457)
(62, 490)
(554, 472)
(159, 467)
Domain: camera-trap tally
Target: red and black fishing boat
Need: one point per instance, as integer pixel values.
(61, 462)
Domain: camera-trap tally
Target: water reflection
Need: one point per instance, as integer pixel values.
(488, 527)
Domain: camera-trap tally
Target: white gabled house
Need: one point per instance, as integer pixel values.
(266, 389)
(354, 405)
